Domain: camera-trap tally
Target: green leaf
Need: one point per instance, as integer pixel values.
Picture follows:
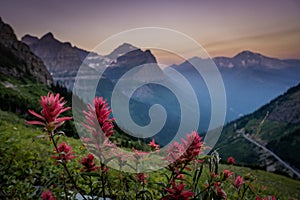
(94, 174)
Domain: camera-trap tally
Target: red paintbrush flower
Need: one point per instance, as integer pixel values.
(227, 173)
(65, 152)
(52, 106)
(141, 177)
(187, 151)
(88, 163)
(267, 198)
(238, 182)
(153, 145)
(220, 192)
(99, 115)
(230, 160)
(47, 195)
(193, 146)
(177, 192)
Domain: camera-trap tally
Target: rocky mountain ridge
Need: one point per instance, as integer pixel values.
(247, 59)
(17, 60)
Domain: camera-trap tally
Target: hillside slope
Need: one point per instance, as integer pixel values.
(276, 126)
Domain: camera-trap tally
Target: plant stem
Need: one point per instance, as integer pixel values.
(91, 187)
(103, 181)
(66, 168)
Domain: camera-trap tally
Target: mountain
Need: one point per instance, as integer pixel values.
(121, 50)
(17, 60)
(250, 80)
(275, 126)
(61, 58)
(23, 76)
(247, 59)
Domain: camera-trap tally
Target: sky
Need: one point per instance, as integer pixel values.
(223, 28)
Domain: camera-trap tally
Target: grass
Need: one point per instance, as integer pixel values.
(269, 183)
(26, 162)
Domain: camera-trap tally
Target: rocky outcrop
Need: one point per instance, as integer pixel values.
(17, 60)
(59, 57)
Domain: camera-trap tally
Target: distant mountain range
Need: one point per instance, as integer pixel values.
(275, 126)
(63, 60)
(250, 79)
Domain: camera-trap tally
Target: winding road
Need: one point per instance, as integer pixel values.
(272, 153)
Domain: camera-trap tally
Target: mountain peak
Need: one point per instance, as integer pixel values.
(248, 58)
(247, 54)
(47, 36)
(121, 50)
(127, 45)
(29, 39)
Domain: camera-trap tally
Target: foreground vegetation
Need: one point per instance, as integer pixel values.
(28, 169)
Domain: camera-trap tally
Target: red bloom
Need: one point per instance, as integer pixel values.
(238, 182)
(141, 177)
(65, 152)
(88, 163)
(99, 115)
(227, 173)
(52, 106)
(193, 146)
(177, 192)
(104, 168)
(47, 195)
(153, 145)
(213, 175)
(187, 151)
(174, 152)
(180, 177)
(267, 198)
(230, 160)
(220, 192)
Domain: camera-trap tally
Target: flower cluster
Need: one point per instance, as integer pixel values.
(99, 115)
(47, 195)
(178, 154)
(65, 153)
(267, 198)
(185, 168)
(141, 177)
(153, 145)
(88, 163)
(238, 182)
(100, 128)
(219, 191)
(192, 146)
(227, 174)
(177, 192)
(52, 106)
(230, 160)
